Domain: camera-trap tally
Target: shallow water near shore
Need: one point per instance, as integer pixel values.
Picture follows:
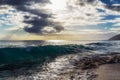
(50, 60)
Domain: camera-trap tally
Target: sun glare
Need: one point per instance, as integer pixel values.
(58, 4)
(55, 41)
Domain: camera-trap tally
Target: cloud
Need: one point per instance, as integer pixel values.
(44, 16)
(33, 20)
(38, 24)
(93, 31)
(115, 29)
(12, 29)
(114, 7)
(80, 13)
(117, 24)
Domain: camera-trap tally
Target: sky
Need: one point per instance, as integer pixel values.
(59, 19)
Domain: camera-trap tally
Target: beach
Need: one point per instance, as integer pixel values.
(108, 72)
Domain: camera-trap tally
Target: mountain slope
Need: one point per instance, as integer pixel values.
(117, 37)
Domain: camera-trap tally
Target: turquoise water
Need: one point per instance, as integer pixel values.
(45, 60)
(16, 54)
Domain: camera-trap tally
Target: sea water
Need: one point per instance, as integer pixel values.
(16, 55)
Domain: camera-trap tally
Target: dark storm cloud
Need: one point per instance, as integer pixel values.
(37, 23)
(40, 23)
(21, 2)
(85, 2)
(90, 1)
(21, 5)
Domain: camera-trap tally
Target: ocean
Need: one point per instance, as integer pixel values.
(47, 60)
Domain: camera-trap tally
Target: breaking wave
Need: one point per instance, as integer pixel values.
(56, 62)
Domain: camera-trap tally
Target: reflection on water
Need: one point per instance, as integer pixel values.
(5, 43)
(30, 56)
